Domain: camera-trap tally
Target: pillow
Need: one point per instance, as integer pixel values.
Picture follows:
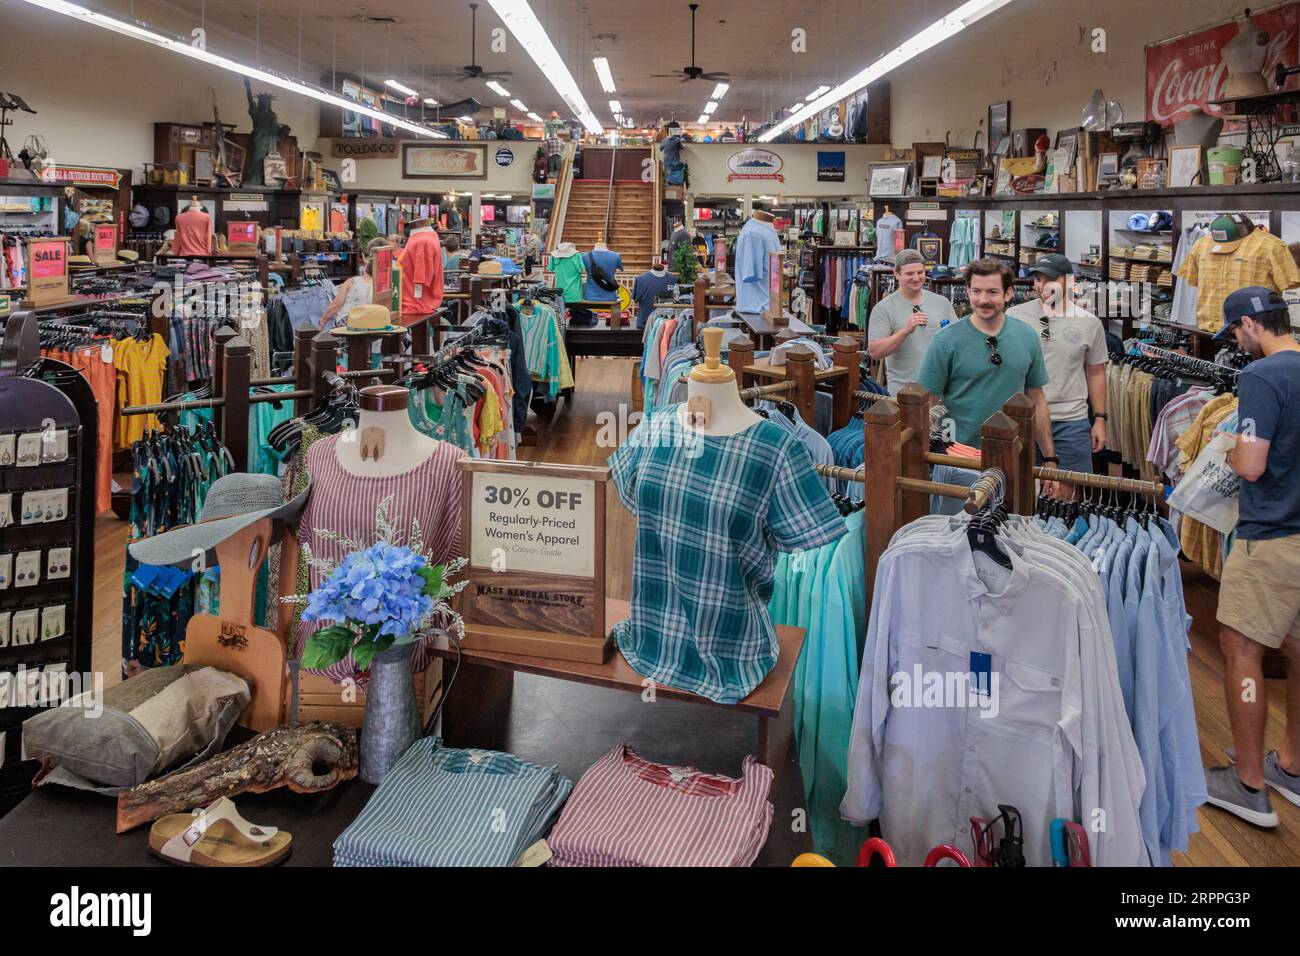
(149, 723)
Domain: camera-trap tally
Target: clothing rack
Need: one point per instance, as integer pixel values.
(1214, 368)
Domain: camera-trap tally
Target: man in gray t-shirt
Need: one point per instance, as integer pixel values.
(902, 323)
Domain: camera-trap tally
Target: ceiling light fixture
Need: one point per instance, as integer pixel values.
(271, 79)
(816, 93)
(602, 71)
(528, 30)
(794, 109)
(704, 118)
(720, 91)
(498, 89)
(615, 107)
(393, 84)
(534, 117)
(710, 107)
(430, 101)
(519, 106)
(942, 29)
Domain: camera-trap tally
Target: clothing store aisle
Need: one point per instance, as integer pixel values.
(573, 725)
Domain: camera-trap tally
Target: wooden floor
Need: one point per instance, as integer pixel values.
(573, 438)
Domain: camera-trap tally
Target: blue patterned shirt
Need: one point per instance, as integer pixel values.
(711, 514)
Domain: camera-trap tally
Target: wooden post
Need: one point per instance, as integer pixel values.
(914, 407)
(295, 270)
(263, 272)
(883, 430)
(302, 340)
(324, 356)
(801, 368)
(785, 335)
(1021, 411)
(239, 368)
(616, 314)
(740, 355)
(419, 339)
(1000, 448)
(845, 355)
(358, 353)
(219, 340)
(701, 307)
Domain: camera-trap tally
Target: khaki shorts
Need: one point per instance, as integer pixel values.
(1260, 591)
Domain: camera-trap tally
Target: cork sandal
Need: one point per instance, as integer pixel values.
(217, 836)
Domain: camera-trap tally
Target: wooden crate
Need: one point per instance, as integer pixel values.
(319, 698)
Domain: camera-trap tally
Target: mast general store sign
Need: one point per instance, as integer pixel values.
(754, 164)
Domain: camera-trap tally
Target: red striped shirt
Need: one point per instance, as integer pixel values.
(629, 811)
(346, 504)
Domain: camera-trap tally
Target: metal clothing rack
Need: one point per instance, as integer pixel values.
(1214, 368)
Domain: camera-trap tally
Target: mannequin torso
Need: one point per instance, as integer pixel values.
(713, 406)
(384, 424)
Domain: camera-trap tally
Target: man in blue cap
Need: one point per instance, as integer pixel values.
(1259, 596)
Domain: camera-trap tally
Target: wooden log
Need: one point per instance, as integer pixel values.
(281, 757)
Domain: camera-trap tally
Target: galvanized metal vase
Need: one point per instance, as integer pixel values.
(392, 721)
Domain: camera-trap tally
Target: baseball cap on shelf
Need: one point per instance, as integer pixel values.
(1139, 222)
(1250, 301)
(1052, 265)
(1228, 230)
(907, 257)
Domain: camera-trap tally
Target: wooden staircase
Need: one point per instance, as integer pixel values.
(631, 221)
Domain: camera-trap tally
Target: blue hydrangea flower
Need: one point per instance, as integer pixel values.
(378, 587)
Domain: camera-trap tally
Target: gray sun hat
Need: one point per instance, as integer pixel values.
(233, 503)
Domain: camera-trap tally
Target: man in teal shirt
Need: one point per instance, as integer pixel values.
(975, 365)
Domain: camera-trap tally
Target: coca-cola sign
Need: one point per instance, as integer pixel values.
(1189, 72)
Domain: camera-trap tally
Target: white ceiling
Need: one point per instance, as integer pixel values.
(750, 39)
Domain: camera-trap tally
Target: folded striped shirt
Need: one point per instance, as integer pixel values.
(440, 806)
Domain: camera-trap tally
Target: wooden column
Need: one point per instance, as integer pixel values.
(801, 368)
(740, 355)
(1000, 448)
(914, 407)
(616, 315)
(220, 337)
(420, 339)
(358, 353)
(324, 356)
(846, 356)
(238, 373)
(1021, 411)
(701, 307)
(302, 345)
(883, 427)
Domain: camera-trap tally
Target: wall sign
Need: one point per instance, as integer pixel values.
(438, 161)
(536, 548)
(1189, 72)
(830, 166)
(364, 149)
(754, 164)
(82, 176)
(504, 156)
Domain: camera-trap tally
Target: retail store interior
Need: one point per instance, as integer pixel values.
(735, 433)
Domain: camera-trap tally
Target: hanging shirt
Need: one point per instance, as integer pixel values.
(887, 226)
(421, 266)
(140, 370)
(1259, 259)
(569, 272)
(711, 513)
(648, 288)
(752, 267)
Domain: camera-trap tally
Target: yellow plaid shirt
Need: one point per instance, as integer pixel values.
(1261, 259)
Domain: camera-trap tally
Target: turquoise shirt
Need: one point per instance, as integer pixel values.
(958, 367)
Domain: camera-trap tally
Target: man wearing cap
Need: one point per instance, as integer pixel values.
(903, 322)
(1074, 349)
(1234, 255)
(1259, 596)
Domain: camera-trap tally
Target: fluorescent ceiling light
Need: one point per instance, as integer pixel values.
(794, 109)
(720, 91)
(184, 48)
(704, 118)
(528, 30)
(942, 29)
(534, 117)
(816, 93)
(710, 106)
(430, 101)
(519, 106)
(467, 119)
(497, 88)
(615, 107)
(602, 71)
(400, 88)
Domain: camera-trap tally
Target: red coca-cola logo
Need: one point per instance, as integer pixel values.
(1180, 90)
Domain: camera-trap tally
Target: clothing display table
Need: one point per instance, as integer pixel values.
(491, 676)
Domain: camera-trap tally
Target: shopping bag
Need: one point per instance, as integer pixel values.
(1210, 491)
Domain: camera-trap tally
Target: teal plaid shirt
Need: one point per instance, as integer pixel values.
(711, 514)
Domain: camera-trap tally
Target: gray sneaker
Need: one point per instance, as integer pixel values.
(1277, 778)
(1226, 791)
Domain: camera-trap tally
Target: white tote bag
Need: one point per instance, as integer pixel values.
(1210, 491)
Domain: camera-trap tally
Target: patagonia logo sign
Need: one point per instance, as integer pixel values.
(133, 911)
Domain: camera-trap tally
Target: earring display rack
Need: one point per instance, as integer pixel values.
(58, 404)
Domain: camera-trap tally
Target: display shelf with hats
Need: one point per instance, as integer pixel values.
(48, 449)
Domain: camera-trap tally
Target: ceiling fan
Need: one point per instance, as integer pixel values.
(474, 71)
(693, 72)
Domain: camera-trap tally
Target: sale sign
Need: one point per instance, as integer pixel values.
(241, 233)
(49, 259)
(1189, 72)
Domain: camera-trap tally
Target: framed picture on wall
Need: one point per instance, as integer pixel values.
(1068, 140)
(444, 161)
(888, 179)
(999, 121)
(1184, 165)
